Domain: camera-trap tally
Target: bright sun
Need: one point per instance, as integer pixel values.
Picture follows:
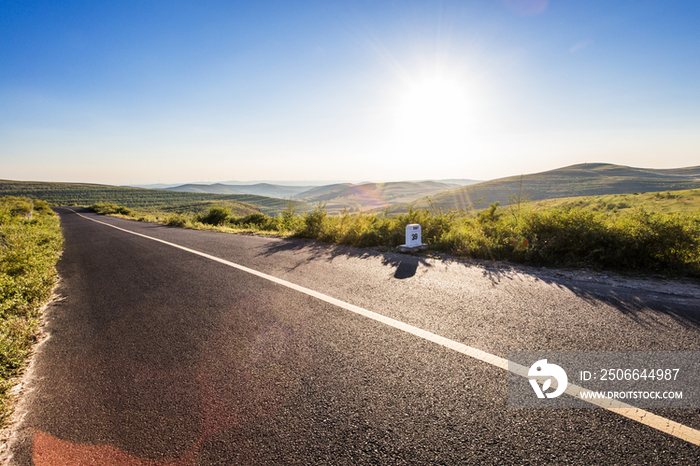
(434, 116)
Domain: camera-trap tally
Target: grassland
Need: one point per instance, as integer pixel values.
(574, 181)
(684, 201)
(146, 199)
(30, 245)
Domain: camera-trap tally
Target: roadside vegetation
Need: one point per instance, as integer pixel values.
(30, 245)
(572, 234)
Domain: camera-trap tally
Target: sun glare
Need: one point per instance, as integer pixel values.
(434, 117)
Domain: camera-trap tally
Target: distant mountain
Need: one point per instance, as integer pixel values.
(203, 188)
(288, 183)
(323, 193)
(337, 196)
(587, 179)
(150, 186)
(269, 190)
(460, 181)
(370, 196)
(260, 189)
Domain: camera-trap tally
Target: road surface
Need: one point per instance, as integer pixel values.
(183, 347)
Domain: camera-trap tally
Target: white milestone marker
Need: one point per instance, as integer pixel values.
(413, 236)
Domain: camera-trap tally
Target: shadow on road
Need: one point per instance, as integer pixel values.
(636, 298)
(406, 265)
(635, 302)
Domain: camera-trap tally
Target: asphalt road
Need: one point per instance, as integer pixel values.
(158, 356)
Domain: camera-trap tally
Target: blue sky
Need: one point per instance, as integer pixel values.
(144, 92)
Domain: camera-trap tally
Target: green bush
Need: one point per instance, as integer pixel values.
(562, 237)
(467, 239)
(176, 220)
(216, 216)
(255, 220)
(288, 220)
(314, 223)
(659, 242)
(109, 209)
(490, 215)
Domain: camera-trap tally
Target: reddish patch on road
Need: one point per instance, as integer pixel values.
(51, 451)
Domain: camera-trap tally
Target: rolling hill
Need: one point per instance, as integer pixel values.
(588, 179)
(139, 198)
(321, 193)
(202, 188)
(459, 181)
(593, 179)
(370, 196)
(258, 189)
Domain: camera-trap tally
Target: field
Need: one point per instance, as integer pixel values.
(30, 245)
(147, 199)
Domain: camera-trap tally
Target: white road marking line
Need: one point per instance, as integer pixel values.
(663, 424)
